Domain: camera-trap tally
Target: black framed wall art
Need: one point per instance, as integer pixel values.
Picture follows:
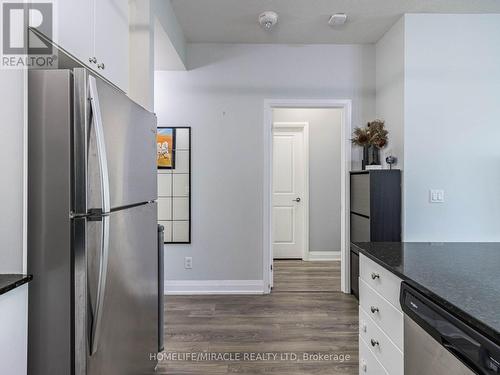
(174, 183)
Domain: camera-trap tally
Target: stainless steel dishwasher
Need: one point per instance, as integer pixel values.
(437, 343)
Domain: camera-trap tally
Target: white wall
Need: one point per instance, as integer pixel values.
(390, 89)
(452, 127)
(156, 43)
(170, 43)
(389, 98)
(222, 98)
(11, 165)
(325, 171)
(141, 53)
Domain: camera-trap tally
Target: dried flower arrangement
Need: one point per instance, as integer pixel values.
(374, 134)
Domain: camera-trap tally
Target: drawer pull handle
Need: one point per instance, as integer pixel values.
(374, 309)
(363, 326)
(363, 365)
(375, 276)
(374, 342)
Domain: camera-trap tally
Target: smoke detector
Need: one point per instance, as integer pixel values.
(268, 19)
(337, 19)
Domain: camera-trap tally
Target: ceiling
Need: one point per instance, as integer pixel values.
(305, 21)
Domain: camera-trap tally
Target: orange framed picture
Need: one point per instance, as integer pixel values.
(165, 148)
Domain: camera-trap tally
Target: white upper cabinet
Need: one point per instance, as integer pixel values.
(97, 33)
(74, 28)
(111, 40)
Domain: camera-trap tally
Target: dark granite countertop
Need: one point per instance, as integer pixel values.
(464, 278)
(12, 281)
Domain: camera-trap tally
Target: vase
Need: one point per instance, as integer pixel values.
(366, 154)
(371, 156)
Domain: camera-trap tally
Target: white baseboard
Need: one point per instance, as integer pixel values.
(193, 287)
(323, 255)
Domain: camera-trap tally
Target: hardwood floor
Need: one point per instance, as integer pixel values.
(283, 323)
(299, 276)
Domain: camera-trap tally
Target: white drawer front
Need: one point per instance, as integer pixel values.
(383, 281)
(368, 364)
(387, 317)
(381, 346)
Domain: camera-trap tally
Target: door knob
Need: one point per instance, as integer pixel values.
(297, 199)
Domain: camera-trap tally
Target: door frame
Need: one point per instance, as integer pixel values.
(293, 126)
(346, 106)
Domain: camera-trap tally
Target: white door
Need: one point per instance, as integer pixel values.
(288, 216)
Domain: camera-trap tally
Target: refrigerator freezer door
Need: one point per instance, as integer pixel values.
(129, 139)
(128, 330)
(49, 228)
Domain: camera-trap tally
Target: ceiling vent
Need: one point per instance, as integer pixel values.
(337, 19)
(268, 19)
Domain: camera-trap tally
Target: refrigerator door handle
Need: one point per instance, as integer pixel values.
(101, 286)
(105, 201)
(101, 144)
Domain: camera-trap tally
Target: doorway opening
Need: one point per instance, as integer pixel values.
(308, 158)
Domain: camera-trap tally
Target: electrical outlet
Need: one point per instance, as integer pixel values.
(188, 263)
(436, 196)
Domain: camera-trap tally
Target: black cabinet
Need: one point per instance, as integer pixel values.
(375, 211)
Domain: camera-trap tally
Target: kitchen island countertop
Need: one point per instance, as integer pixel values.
(11, 281)
(464, 278)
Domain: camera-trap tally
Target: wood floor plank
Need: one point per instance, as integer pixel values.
(300, 276)
(289, 320)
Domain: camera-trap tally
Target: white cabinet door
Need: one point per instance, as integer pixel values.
(14, 331)
(368, 364)
(382, 312)
(382, 281)
(380, 344)
(75, 28)
(111, 40)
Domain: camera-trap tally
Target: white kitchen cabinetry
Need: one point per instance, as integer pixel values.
(74, 30)
(381, 280)
(383, 313)
(384, 349)
(97, 33)
(380, 319)
(368, 364)
(14, 331)
(111, 42)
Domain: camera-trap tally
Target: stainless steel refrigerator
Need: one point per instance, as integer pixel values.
(92, 227)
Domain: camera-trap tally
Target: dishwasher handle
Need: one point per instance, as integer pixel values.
(463, 358)
(467, 344)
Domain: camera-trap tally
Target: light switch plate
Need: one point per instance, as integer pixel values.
(436, 196)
